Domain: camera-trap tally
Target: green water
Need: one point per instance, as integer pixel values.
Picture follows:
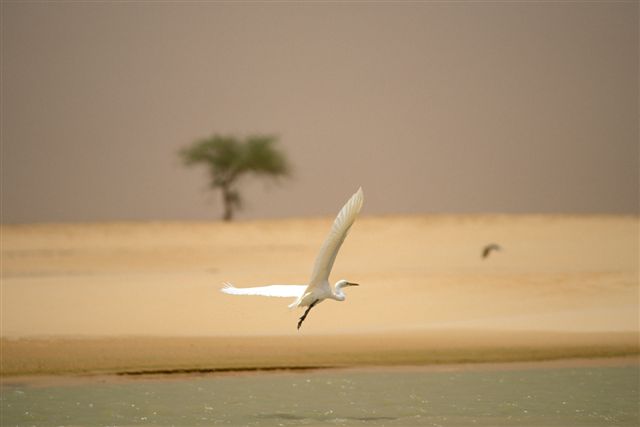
(589, 396)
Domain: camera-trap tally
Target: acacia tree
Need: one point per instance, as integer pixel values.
(229, 159)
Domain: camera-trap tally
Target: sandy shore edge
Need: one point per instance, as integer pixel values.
(162, 356)
(88, 379)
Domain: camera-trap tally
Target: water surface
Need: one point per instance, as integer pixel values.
(580, 396)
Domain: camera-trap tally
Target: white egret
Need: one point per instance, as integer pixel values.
(318, 288)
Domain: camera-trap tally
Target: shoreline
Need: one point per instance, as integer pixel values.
(149, 356)
(119, 378)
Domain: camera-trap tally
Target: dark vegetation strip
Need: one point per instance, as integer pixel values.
(221, 370)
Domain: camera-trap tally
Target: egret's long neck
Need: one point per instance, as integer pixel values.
(338, 294)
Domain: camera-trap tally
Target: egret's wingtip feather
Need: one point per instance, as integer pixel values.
(358, 200)
(360, 195)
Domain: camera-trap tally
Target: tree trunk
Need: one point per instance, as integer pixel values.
(227, 200)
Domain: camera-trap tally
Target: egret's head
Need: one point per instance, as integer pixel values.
(343, 284)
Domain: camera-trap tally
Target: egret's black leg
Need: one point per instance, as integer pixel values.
(304, 316)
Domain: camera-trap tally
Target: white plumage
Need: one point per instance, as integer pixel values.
(318, 288)
(293, 291)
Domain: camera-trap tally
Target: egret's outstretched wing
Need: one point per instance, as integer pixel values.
(331, 246)
(291, 291)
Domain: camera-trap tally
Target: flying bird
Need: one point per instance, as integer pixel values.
(318, 288)
(489, 248)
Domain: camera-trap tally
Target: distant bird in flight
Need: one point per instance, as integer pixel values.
(489, 248)
(318, 288)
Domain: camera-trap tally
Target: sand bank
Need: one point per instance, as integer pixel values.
(426, 295)
(558, 273)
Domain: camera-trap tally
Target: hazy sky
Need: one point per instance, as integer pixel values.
(431, 107)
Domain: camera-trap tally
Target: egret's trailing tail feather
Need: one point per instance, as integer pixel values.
(227, 288)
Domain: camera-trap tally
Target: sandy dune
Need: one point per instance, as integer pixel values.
(418, 275)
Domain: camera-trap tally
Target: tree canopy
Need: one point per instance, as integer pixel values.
(229, 158)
